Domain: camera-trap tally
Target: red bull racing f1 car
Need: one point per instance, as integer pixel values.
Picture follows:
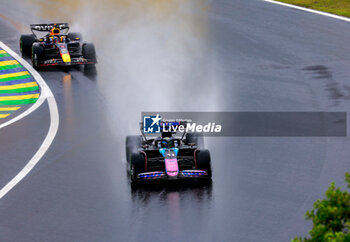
(167, 157)
(52, 45)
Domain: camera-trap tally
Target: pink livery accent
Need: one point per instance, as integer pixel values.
(171, 167)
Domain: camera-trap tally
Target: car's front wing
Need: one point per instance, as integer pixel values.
(60, 62)
(184, 174)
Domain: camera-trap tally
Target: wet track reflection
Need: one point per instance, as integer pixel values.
(174, 203)
(200, 191)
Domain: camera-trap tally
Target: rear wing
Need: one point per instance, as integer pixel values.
(41, 30)
(48, 27)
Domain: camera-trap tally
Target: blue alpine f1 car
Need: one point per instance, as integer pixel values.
(167, 157)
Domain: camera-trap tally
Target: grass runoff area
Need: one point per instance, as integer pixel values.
(338, 7)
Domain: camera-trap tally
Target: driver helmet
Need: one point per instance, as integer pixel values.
(165, 142)
(55, 31)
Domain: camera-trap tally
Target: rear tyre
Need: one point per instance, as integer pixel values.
(203, 161)
(195, 138)
(25, 44)
(132, 143)
(89, 53)
(37, 55)
(75, 36)
(137, 165)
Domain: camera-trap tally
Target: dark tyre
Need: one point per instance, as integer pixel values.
(137, 165)
(203, 161)
(25, 44)
(195, 138)
(89, 53)
(132, 143)
(75, 36)
(37, 55)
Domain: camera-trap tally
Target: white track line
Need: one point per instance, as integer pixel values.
(309, 10)
(54, 121)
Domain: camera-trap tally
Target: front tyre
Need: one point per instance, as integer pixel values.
(204, 161)
(37, 55)
(25, 44)
(138, 165)
(89, 53)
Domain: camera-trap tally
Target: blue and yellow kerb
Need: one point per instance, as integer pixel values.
(17, 86)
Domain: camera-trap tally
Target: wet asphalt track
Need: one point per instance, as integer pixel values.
(261, 186)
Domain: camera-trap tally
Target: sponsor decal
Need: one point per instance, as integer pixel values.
(48, 27)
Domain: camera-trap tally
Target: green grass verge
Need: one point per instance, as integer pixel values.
(338, 7)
